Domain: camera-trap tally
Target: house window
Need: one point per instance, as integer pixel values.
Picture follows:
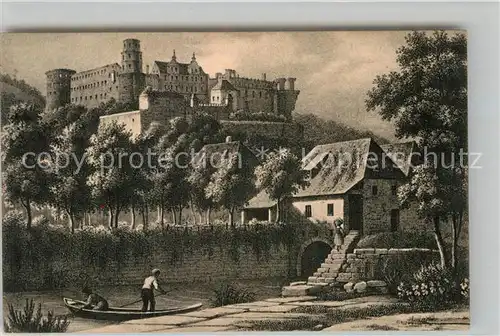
(308, 211)
(374, 190)
(394, 190)
(329, 210)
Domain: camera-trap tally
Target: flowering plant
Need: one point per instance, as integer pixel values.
(431, 285)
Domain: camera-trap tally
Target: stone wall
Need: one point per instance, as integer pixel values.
(377, 208)
(369, 263)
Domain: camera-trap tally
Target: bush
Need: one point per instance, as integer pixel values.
(29, 321)
(259, 116)
(46, 257)
(431, 285)
(410, 239)
(226, 294)
(400, 268)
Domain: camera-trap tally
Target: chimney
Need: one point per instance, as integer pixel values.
(264, 76)
(218, 75)
(229, 139)
(147, 69)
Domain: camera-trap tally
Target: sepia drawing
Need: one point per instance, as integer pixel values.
(246, 181)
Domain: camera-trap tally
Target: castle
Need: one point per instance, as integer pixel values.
(226, 92)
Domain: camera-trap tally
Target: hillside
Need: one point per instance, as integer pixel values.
(13, 91)
(318, 131)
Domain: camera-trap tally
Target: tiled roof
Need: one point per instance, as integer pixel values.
(401, 154)
(338, 167)
(162, 66)
(223, 85)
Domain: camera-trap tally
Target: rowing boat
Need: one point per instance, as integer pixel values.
(122, 314)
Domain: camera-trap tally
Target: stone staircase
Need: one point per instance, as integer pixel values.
(330, 269)
(327, 273)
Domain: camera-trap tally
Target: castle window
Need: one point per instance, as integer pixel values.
(213, 98)
(374, 190)
(329, 210)
(260, 94)
(308, 211)
(253, 94)
(394, 190)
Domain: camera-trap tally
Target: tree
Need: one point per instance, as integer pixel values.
(112, 180)
(280, 176)
(69, 190)
(230, 185)
(427, 100)
(24, 139)
(198, 179)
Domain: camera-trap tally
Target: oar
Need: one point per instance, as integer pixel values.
(128, 304)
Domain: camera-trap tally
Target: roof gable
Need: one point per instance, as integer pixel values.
(401, 154)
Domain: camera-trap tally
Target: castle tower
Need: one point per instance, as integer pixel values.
(58, 87)
(131, 56)
(131, 80)
(285, 97)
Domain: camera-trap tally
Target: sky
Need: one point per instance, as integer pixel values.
(334, 70)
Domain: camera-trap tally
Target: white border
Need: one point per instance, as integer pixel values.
(480, 20)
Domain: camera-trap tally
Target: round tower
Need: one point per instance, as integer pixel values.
(58, 87)
(131, 56)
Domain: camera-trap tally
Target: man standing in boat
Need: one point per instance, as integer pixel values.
(94, 301)
(147, 292)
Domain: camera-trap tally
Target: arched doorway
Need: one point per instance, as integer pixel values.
(312, 257)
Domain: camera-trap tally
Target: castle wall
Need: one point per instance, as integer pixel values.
(265, 128)
(93, 87)
(131, 120)
(162, 107)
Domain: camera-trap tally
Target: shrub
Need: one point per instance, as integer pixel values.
(259, 116)
(226, 294)
(400, 268)
(409, 239)
(464, 288)
(28, 320)
(431, 285)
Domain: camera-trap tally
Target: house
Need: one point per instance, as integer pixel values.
(355, 180)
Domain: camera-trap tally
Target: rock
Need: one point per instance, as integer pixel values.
(349, 287)
(360, 287)
(298, 283)
(318, 327)
(376, 283)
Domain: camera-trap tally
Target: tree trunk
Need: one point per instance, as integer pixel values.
(146, 217)
(162, 216)
(174, 215)
(111, 218)
(28, 214)
(193, 213)
(71, 220)
(231, 216)
(132, 218)
(180, 215)
(158, 214)
(117, 217)
(200, 217)
(209, 210)
(439, 242)
(278, 211)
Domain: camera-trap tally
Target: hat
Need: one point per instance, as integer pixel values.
(155, 271)
(86, 290)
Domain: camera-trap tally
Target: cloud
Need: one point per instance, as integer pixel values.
(334, 70)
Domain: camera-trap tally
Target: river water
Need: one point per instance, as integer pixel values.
(180, 295)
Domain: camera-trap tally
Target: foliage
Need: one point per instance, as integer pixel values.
(227, 293)
(258, 116)
(319, 131)
(112, 179)
(231, 184)
(427, 100)
(432, 285)
(390, 269)
(25, 180)
(280, 176)
(112, 106)
(30, 321)
(46, 257)
(406, 239)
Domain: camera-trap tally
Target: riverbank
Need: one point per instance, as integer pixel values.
(181, 295)
(294, 314)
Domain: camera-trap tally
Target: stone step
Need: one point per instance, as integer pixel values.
(330, 274)
(329, 280)
(311, 278)
(301, 290)
(332, 264)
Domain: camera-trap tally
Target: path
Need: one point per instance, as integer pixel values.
(234, 317)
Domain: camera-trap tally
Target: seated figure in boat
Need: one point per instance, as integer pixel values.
(147, 292)
(94, 301)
